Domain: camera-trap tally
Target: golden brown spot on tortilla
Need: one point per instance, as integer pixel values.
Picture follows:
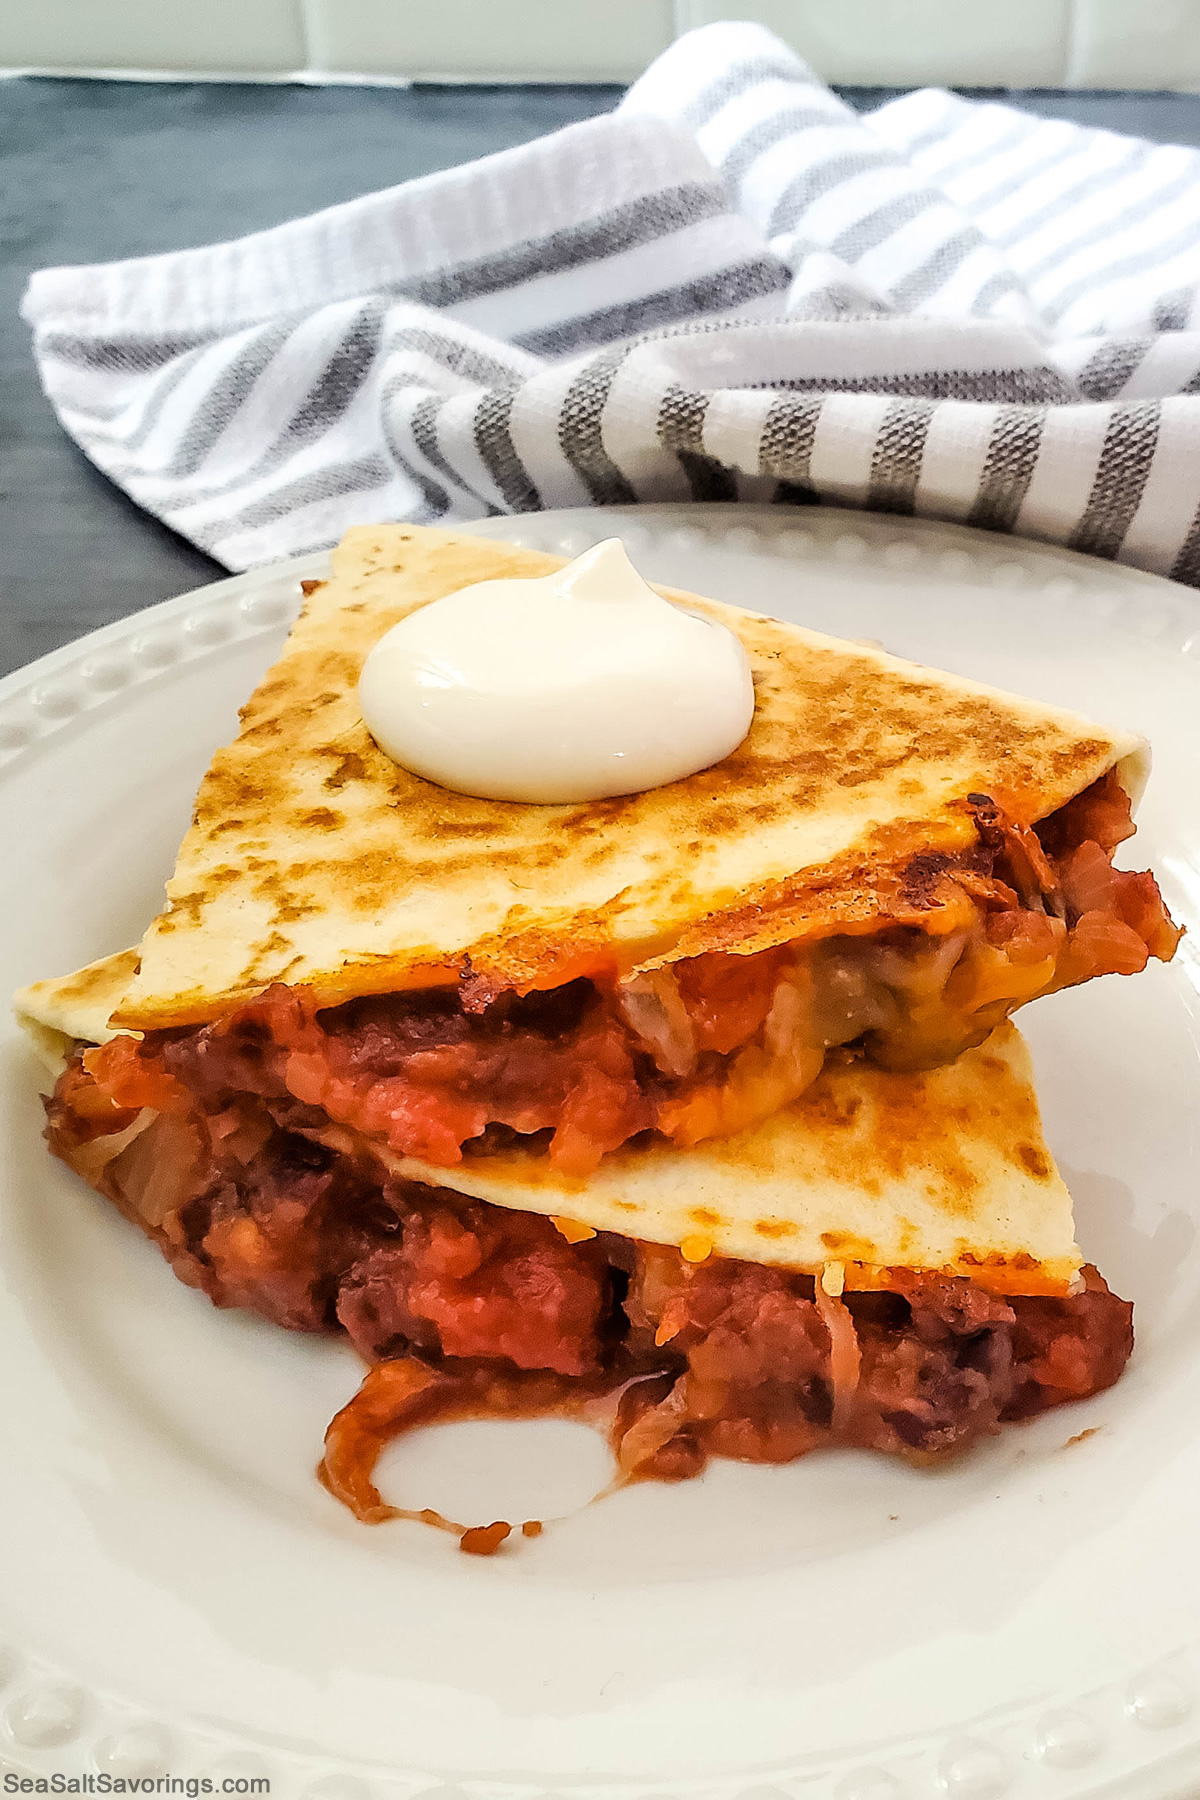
(187, 906)
(322, 818)
(265, 728)
(889, 1141)
(100, 978)
(720, 818)
(270, 947)
(774, 1228)
(848, 1247)
(273, 687)
(703, 1216)
(468, 828)
(1036, 1161)
(341, 667)
(288, 911)
(233, 789)
(350, 768)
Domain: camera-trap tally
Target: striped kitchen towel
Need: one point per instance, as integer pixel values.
(732, 287)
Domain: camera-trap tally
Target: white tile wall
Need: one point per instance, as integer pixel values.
(481, 40)
(241, 36)
(1019, 43)
(1144, 44)
(918, 43)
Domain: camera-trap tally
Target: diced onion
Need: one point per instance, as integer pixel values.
(653, 1009)
(844, 1356)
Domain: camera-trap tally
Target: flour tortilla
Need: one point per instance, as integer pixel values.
(70, 1009)
(314, 861)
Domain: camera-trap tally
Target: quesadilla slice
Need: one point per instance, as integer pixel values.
(894, 858)
(888, 1262)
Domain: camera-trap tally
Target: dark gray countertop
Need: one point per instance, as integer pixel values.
(91, 171)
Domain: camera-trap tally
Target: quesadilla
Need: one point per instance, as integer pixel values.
(888, 1262)
(894, 858)
(699, 1105)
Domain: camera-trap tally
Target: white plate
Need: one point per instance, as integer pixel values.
(178, 1592)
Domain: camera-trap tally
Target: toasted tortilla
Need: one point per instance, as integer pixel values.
(69, 1009)
(946, 1171)
(315, 861)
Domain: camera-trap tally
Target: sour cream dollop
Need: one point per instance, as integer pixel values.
(573, 686)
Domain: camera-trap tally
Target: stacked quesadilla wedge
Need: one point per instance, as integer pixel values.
(700, 1104)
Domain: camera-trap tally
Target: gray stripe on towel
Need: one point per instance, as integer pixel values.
(899, 452)
(1124, 469)
(1008, 467)
(579, 430)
